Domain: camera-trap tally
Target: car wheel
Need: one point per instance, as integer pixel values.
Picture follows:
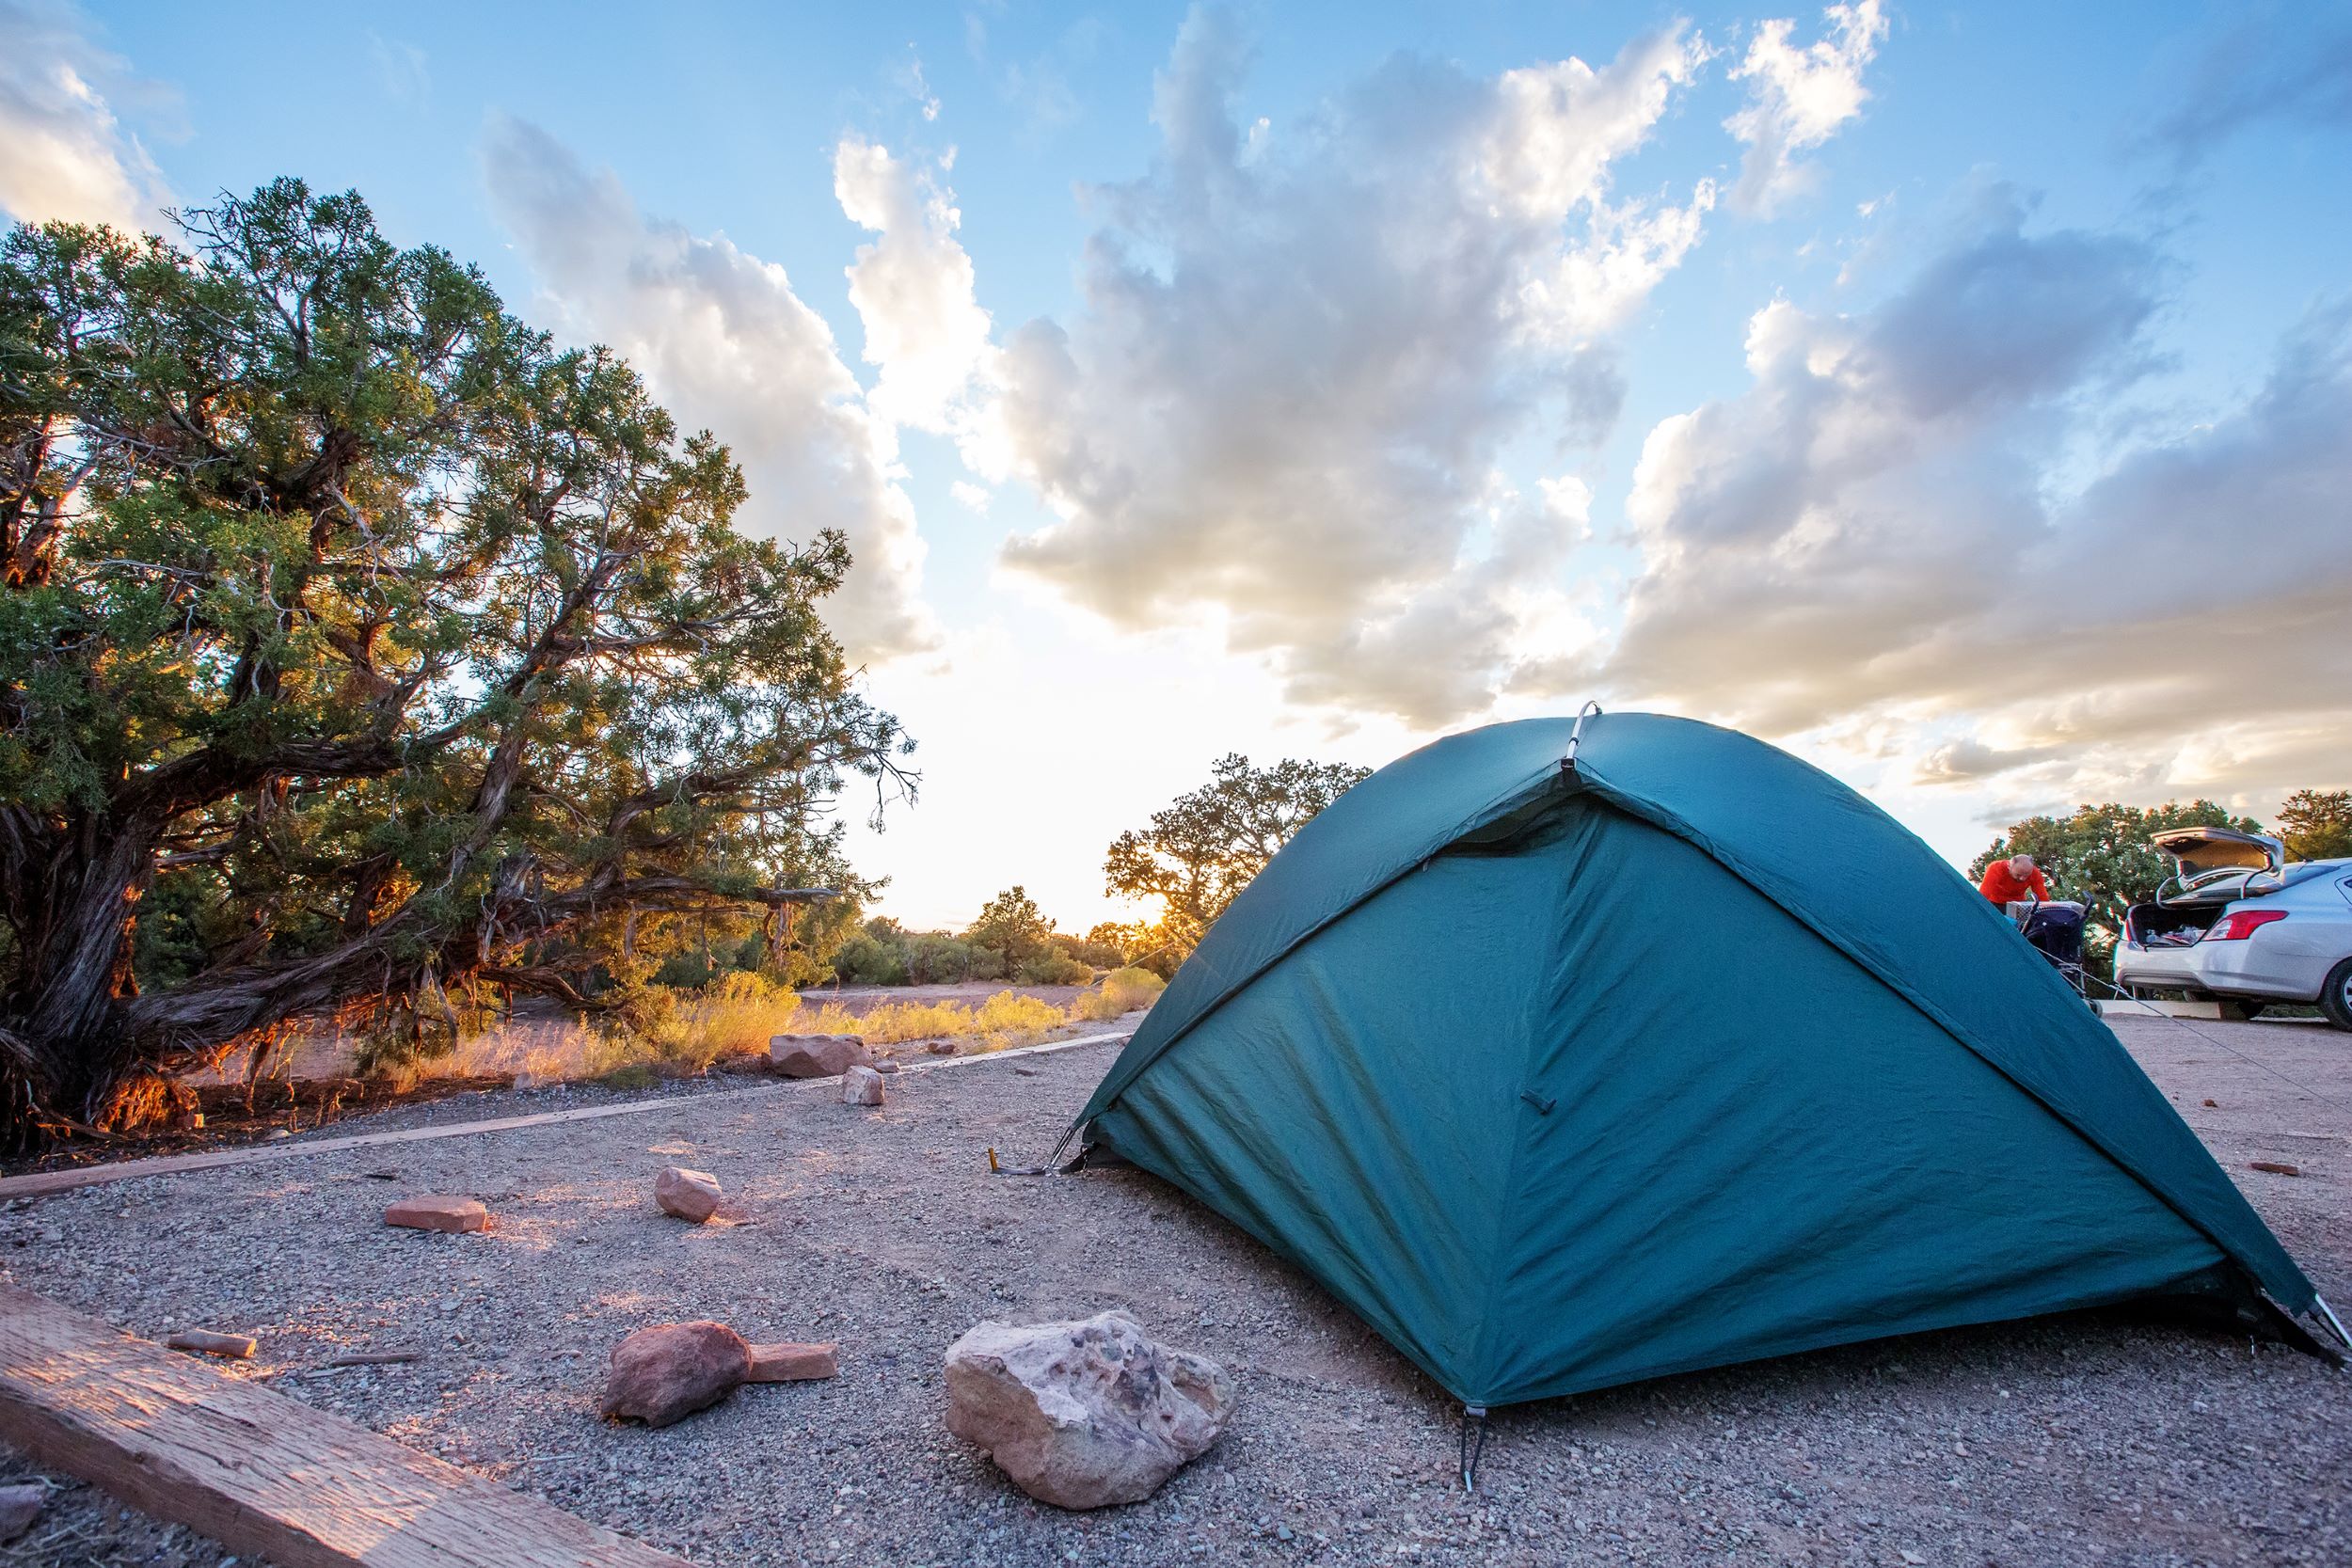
(2335, 995)
(2237, 1012)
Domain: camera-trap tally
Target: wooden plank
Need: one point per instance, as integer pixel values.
(45, 1182)
(260, 1473)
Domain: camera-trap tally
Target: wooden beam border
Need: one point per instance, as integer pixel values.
(260, 1473)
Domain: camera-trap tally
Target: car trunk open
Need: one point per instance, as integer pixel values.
(2196, 850)
(2213, 868)
(2171, 924)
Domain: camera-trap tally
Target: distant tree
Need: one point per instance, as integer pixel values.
(1205, 847)
(872, 958)
(1012, 925)
(2316, 824)
(376, 641)
(1143, 944)
(2100, 855)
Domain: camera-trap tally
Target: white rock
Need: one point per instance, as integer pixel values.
(1083, 1414)
(861, 1085)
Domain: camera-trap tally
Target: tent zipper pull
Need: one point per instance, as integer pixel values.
(1543, 1103)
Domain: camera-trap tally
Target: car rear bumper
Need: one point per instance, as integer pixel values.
(2157, 968)
(2223, 968)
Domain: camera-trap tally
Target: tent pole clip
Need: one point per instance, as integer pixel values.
(1472, 1416)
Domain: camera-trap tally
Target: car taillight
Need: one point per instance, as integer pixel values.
(2238, 926)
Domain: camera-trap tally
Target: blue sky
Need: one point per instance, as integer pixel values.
(1967, 344)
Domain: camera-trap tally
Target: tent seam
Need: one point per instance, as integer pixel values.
(1524, 1132)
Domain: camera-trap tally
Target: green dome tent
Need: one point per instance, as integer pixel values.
(1569, 1059)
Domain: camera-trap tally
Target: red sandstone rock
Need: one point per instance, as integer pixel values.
(790, 1363)
(203, 1341)
(816, 1055)
(690, 1194)
(666, 1372)
(438, 1211)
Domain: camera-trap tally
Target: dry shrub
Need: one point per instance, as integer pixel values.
(1010, 1018)
(736, 1015)
(891, 1022)
(1122, 992)
(1005, 1018)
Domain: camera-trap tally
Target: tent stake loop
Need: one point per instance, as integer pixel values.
(1472, 1416)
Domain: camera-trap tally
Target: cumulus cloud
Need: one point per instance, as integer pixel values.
(64, 155)
(1303, 349)
(726, 343)
(1798, 98)
(1874, 535)
(913, 288)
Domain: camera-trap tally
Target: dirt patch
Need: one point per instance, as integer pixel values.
(2107, 1437)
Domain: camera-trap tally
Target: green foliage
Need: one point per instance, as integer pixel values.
(2100, 856)
(2316, 824)
(870, 960)
(1122, 992)
(936, 959)
(375, 639)
(1012, 925)
(1055, 967)
(1091, 953)
(1205, 847)
(1138, 944)
(637, 1015)
(1010, 940)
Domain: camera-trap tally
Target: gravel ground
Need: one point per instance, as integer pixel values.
(2098, 1438)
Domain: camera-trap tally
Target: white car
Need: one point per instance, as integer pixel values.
(2239, 924)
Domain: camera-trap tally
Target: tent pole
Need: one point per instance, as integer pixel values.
(1472, 1416)
(2335, 1323)
(1577, 734)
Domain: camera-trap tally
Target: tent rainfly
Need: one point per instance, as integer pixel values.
(1568, 1054)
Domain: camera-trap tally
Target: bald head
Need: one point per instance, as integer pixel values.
(2021, 866)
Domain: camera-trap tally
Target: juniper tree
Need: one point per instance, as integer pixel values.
(401, 645)
(1206, 845)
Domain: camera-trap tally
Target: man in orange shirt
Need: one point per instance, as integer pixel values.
(2013, 878)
